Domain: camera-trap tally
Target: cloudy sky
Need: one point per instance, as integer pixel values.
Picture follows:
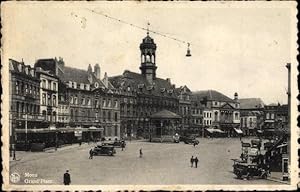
(233, 49)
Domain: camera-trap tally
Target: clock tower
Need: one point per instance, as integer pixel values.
(148, 66)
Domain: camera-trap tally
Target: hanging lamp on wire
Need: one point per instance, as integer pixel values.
(188, 53)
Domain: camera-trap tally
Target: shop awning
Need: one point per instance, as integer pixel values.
(212, 130)
(282, 145)
(238, 130)
(95, 129)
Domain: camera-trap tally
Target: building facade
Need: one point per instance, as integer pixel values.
(252, 115)
(24, 100)
(185, 111)
(86, 101)
(276, 120)
(219, 111)
(143, 94)
(48, 95)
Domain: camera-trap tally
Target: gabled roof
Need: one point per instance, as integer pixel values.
(78, 76)
(226, 106)
(251, 103)
(181, 88)
(165, 114)
(211, 95)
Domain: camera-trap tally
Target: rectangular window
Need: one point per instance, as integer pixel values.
(54, 86)
(104, 116)
(49, 84)
(96, 103)
(272, 116)
(44, 99)
(116, 116)
(17, 87)
(75, 101)
(88, 101)
(44, 83)
(49, 99)
(83, 101)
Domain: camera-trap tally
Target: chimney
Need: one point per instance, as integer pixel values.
(97, 71)
(105, 80)
(169, 80)
(90, 70)
(236, 96)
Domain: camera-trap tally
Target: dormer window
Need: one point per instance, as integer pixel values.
(170, 91)
(81, 86)
(163, 90)
(26, 70)
(20, 67)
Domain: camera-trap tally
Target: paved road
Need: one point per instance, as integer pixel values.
(161, 164)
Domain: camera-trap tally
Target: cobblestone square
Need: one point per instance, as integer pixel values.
(161, 164)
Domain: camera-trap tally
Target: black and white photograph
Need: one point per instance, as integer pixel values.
(149, 95)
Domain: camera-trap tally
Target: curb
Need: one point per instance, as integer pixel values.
(277, 180)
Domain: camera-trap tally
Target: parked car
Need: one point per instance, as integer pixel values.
(189, 140)
(249, 171)
(104, 150)
(116, 143)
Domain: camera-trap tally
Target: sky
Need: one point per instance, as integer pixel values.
(233, 49)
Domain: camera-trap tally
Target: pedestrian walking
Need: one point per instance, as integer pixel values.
(192, 161)
(141, 153)
(194, 143)
(196, 162)
(122, 145)
(91, 154)
(67, 178)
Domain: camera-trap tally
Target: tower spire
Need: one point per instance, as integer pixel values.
(148, 24)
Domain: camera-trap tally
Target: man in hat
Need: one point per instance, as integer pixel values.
(67, 178)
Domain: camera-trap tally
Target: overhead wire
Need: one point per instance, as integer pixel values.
(139, 27)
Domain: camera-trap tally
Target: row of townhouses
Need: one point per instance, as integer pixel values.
(53, 102)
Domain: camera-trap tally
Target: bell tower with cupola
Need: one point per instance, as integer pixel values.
(148, 66)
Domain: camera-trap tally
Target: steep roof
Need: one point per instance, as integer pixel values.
(165, 114)
(211, 95)
(251, 103)
(140, 84)
(78, 76)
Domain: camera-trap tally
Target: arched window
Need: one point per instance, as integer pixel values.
(143, 58)
(148, 58)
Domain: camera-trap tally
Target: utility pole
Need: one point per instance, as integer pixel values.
(26, 131)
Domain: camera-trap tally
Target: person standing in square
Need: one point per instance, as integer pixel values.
(67, 178)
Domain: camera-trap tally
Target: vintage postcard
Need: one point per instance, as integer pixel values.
(149, 95)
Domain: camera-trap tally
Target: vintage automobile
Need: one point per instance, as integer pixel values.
(189, 140)
(104, 150)
(116, 143)
(248, 171)
(256, 143)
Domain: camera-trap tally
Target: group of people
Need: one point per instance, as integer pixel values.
(194, 160)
